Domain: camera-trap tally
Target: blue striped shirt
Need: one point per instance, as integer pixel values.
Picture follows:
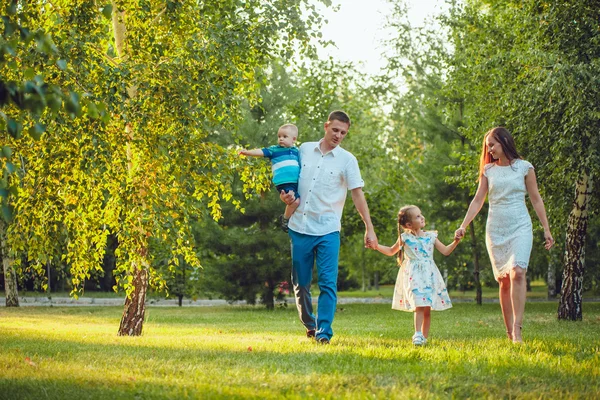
(285, 163)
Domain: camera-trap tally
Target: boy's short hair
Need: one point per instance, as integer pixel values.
(339, 115)
(293, 128)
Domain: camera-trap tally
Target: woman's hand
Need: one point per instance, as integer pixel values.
(549, 240)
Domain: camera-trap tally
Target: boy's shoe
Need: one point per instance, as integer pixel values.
(322, 340)
(418, 339)
(283, 223)
(310, 333)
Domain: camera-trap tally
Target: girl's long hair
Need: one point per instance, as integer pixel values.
(404, 217)
(503, 136)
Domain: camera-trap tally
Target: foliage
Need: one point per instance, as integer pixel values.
(248, 255)
(422, 166)
(24, 93)
(533, 66)
(138, 162)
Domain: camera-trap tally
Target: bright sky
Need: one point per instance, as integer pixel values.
(357, 29)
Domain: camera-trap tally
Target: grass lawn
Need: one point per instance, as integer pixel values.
(246, 352)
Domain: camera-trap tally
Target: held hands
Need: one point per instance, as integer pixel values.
(288, 198)
(460, 233)
(371, 240)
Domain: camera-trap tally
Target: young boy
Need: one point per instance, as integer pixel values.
(285, 163)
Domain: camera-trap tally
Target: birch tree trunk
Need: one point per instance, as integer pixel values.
(569, 307)
(132, 320)
(10, 276)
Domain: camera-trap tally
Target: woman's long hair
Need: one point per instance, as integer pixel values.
(503, 136)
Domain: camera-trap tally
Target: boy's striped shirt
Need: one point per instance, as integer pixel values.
(285, 163)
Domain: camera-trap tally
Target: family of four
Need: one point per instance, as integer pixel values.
(314, 180)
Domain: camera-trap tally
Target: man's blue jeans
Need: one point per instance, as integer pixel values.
(325, 250)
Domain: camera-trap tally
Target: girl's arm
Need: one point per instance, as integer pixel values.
(538, 206)
(446, 250)
(474, 207)
(253, 153)
(390, 251)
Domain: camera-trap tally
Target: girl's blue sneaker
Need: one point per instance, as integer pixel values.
(418, 339)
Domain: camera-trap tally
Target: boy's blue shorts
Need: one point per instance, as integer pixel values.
(287, 187)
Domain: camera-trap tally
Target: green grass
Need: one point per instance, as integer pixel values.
(245, 352)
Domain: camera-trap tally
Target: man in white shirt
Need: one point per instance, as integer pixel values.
(327, 173)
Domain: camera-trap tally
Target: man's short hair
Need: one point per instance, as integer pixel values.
(339, 115)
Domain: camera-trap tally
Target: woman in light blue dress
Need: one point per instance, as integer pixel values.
(505, 178)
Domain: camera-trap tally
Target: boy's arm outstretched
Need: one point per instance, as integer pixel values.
(446, 250)
(253, 153)
(390, 251)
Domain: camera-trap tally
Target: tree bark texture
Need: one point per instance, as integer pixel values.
(10, 276)
(569, 307)
(135, 306)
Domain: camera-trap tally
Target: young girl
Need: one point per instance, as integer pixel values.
(419, 286)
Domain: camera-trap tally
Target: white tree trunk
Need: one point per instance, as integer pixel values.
(132, 320)
(10, 276)
(571, 293)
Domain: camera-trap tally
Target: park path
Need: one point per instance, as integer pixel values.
(95, 302)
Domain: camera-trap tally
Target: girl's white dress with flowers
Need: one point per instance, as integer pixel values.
(419, 282)
(509, 234)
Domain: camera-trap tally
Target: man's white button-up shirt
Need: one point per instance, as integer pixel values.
(323, 185)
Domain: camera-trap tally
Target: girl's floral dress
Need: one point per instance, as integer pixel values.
(419, 282)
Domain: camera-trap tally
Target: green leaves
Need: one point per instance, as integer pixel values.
(37, 130)
(62, 64)
(14, 128)
(96, 118)
(107, 11)
(72, 104)
(6, 152)
(7, 211)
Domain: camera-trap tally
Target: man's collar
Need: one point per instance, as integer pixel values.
(333, 152)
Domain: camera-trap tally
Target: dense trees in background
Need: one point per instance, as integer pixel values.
(531, 66)
(155, 80)
(131, 151)
(24, 96)
(534, 67)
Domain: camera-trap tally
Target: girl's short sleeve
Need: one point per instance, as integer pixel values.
(525, 167)
(433, 234)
